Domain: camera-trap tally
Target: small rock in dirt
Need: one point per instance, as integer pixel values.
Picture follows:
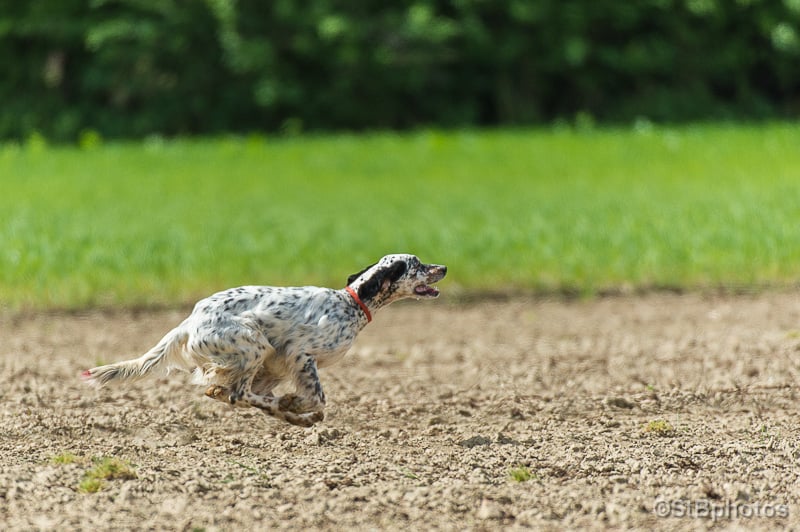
(474, 442)
(323, 436)
(174, 505)
(478, 476)
(284, 508)
(516, 413)
(505, 440)
(710, 492)
(619, 402)
(124, 497)
(489, 510)
(527, 517)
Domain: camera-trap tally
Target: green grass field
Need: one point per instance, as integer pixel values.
(165, 222)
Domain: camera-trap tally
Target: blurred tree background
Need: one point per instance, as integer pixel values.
(129, 68)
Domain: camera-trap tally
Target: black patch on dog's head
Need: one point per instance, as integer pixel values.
(397, 270)
(381, 279)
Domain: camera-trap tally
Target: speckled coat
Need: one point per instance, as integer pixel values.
(244, 341)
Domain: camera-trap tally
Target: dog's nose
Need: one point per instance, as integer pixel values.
(442, 268)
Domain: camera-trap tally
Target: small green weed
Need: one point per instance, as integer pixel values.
(252, 471)
(65, 458)
(90, 485)
(106, 468)
(521, 474)
(408, 473)
(659, 427)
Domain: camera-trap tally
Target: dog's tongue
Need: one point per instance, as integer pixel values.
(426, 290)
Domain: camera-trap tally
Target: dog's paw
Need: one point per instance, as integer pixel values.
(305, 420)
(217, 392)
(291, 403)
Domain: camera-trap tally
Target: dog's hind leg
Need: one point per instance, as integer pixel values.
(240, 359)
(230, 362)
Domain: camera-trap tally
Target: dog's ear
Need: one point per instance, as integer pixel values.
(371, 287)
(393, 273)
(396, 270)
(357, 275)
(382, 279)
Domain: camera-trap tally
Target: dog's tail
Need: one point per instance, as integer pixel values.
(167, 354)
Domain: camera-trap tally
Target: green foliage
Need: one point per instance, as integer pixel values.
(521, 474)
(106, 468)
(90, 485)
(659, 427)
(164, 221)
(128, 68)
(65, 458)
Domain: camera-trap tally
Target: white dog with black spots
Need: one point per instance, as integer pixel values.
(244, 341)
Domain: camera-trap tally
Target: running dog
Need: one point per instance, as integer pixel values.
(244, 341)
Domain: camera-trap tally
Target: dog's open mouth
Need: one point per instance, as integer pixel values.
(435, 273)
(426, 291)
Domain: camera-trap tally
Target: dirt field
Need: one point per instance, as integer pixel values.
(427, 417)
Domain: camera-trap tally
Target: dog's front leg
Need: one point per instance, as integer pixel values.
(269, 405)
(308, 396)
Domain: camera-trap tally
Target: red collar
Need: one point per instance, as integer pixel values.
(360, 303)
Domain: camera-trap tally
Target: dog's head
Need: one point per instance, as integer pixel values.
(396, 277)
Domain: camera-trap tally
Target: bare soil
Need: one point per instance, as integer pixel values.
(428, 416)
